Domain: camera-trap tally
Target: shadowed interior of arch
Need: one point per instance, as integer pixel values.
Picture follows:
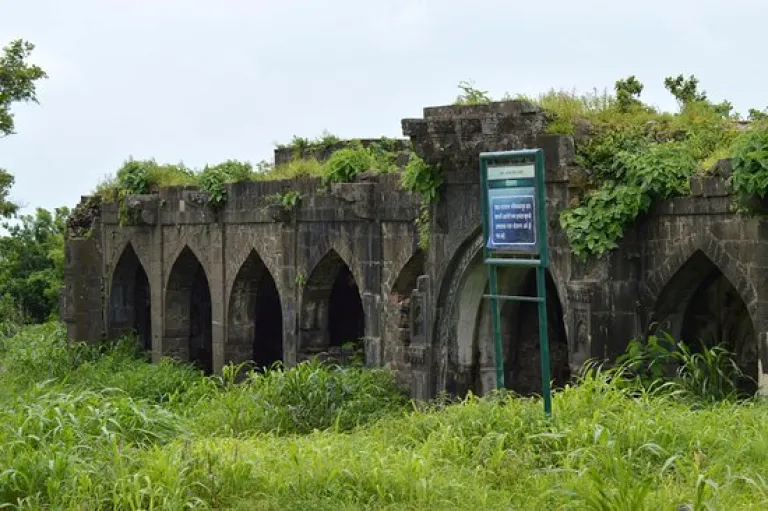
(255, 330)
(332, 316)
(188, 327)
(129, 299)
(701, 307)
(475, 358)
(403, 287)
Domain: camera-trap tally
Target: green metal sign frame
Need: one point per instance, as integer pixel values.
(515, 234)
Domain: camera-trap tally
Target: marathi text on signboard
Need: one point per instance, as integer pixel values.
(512, 207)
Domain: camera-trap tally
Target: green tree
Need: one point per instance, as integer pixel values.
(628, 93)
(32, 264)
(17, 85)
(684, 90)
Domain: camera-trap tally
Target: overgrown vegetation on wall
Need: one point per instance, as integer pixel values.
(343, 165)
(100, 428)
(636, 154)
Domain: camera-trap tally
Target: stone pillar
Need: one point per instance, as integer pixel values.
(216, 283)
(82, 298)
(419, 351)
(157, 279)
(580, 313)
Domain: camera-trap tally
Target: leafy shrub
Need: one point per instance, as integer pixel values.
(345, 164)
(212, 181)
(709, 375)
(750, 162)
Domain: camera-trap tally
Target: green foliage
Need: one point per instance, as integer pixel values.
(757, 115)
(750, 162)
(139, 176)
(92, 428)
(7, 208)
(470, 95)
(628, 94)
(144, 176)
(709, 374)
(288, 200)
(211, 181)
(630, 181)
(32, 265)
(301, 146)
(419, 177)
(635, 155)
(345, 164)
(684, 90)
(309, 396)
(17, 85)
(17, 81)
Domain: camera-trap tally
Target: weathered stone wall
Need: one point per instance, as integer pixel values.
(286, 284)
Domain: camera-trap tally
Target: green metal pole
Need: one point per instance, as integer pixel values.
(492, 278)
(544, 340)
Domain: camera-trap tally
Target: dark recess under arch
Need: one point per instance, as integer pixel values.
(700, 306)
(129, 299)
(332, 311)
(255, 316)
(188, 325)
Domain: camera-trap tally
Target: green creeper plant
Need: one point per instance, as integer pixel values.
(424, 179)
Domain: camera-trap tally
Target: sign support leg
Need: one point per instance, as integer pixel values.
(544, 340)
(499, 354)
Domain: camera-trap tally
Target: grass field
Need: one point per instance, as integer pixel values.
(87, 430)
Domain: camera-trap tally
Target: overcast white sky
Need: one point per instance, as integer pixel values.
(203, 81)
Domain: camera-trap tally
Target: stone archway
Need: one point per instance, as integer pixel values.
(188, 332)
(332, 315)
(129, 299)
(700, 306)
(255, 322)
(465, 350)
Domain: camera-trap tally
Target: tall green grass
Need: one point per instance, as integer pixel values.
(89, 428)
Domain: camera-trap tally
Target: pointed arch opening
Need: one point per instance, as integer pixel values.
(474, 367)
(332, 314)
(255, 330)
(130, 307)
(701, 307)
(188, 326)
(400, 297)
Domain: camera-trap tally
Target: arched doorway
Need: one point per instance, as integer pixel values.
(188, 326)
(332, 317)
(129, 299)
(255, 330)
(701, 307)
(471, 357)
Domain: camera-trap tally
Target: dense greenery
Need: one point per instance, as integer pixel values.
(102, 428)
(636, 154)
(32, 267)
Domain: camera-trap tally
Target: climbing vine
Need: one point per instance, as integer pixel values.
(419, 177)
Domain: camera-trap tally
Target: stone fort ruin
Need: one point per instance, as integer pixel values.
(261, 282)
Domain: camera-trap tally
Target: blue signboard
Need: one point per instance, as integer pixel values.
(511, 189)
